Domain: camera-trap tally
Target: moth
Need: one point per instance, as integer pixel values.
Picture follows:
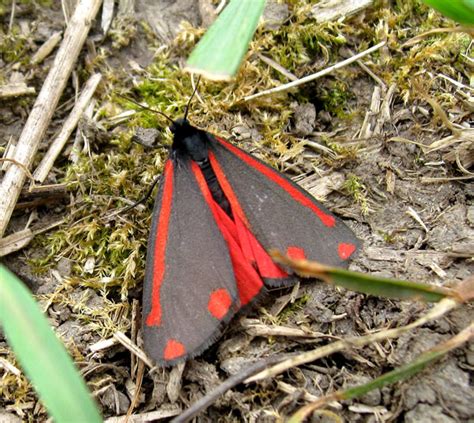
(217, 213)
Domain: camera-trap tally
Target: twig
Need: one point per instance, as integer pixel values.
(151, 416)
(6, 365)
(289, 389)
(135, 325)
(41, 194)
(18, 240)
(429, 180)
(8, 152)
(45, 190)
(385, 115)
(66, 11)
(411, 212)
(461, 166)
(437, 311)
(367, 128)
(255, 328)
(59, 142)
(20, 165)
(372, 75)
(107, 15)
(277, 67)
(455, 83)
(12, 16)
(327, 11)
(419, 37)
(396, 375)
(46, 48)
(317, 75)
(102, 345)
(15, 90)
(138, 387)
(212, 396)
(133, 348)
(45, 104)
(220, 7)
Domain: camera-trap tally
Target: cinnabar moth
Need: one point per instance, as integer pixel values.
(217, 212)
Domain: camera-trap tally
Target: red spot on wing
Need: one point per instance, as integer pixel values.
(295, 253)
(273, 175)
(219, 303)
(174, 349)
(154, 317)
(345, 250)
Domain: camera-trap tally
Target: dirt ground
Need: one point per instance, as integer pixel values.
(386, 144)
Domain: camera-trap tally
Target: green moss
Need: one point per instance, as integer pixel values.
(122, 31)
(293, 308)
(437, 51)
(354, 186)
(335, 98)
(13, 45)
(389, 238)
(296, 45)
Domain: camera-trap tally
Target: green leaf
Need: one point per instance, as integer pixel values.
(461, 11)
(42, 356)
(360, 282)
(219, 53)
(384, 287)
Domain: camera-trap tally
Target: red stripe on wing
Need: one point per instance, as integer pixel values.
(251, 248)
(257, 254)
(326, 219)
(154, 317)
(227, 188)
(248, 281)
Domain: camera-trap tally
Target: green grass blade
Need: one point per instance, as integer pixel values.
(461, 11)
(220, 51)
(401, 373)
(384, 287)
(42, 356)
(413, 367)
(360, 282)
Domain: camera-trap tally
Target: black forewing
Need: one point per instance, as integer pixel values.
(276, 219)
(196, 263)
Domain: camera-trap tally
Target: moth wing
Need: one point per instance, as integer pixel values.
(190, 287)
(281, 215)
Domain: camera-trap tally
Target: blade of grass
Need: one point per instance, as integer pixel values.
(42, 356)
(461, 11)
(220, 51)
(404, 372)
(360, 282)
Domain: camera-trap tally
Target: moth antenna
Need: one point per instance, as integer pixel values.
(192, 95)
(145, 107)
